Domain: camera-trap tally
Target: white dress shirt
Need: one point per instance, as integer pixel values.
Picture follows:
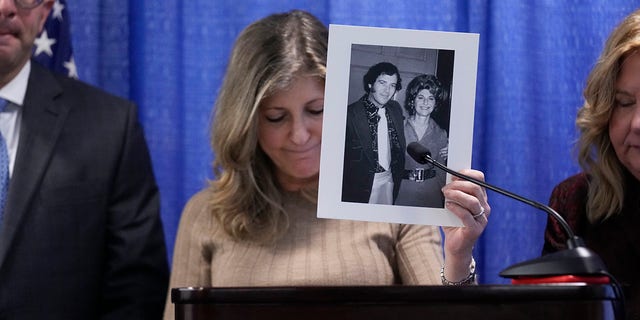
(14, 92)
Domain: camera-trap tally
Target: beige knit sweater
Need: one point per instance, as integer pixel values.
(313, 252)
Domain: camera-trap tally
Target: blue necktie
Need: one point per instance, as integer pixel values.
(4, 168)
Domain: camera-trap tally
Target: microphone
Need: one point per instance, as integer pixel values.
(577, 259)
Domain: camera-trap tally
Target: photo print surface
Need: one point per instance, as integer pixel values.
(387, 88)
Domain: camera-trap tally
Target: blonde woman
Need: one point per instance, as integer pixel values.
(601, 204)
(256, 225)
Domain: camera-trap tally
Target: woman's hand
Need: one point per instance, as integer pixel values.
(468, 202)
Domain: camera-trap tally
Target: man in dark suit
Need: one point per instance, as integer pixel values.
(80, 232)
(375, 143)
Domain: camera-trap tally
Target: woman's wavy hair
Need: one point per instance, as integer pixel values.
(595, 153)
(266, 57)
(417, 84)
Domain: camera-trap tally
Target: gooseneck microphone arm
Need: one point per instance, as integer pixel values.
(423, 155)
(576, 259)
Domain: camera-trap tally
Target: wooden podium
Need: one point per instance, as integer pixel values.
(547, 302)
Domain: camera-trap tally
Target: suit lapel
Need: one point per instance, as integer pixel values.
(42, 121)
(361, 123)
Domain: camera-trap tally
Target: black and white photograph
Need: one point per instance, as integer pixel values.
(394, 88)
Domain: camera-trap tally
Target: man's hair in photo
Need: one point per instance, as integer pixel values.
(376, 70)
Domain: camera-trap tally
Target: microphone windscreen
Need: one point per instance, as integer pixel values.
(418, 152)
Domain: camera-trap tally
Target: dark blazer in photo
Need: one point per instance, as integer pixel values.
(359, 158)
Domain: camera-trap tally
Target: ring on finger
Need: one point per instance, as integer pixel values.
(479, 214)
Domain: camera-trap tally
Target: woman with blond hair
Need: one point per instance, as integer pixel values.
(601, 204)
(256, 224)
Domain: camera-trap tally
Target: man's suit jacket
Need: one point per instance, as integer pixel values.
(81, 236)
(360, 160)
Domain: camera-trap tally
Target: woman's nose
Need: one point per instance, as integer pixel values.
(635, 121)
(299, 131)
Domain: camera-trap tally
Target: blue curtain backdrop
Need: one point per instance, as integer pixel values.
(169, 57)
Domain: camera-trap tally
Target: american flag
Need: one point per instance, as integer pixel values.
(52, 47)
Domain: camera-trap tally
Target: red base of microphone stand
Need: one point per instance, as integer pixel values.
(562, 279)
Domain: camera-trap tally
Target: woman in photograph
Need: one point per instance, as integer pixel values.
(422, 183)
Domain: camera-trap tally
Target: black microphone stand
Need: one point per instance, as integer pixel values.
(576, 260)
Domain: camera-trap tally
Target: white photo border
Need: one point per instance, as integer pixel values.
(341, 39)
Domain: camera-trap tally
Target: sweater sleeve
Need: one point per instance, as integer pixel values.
(192, 252)
(568, 199)
(419, 254)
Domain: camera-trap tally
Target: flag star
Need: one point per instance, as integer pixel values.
(43, 44)
(71, 66)
(57, 10)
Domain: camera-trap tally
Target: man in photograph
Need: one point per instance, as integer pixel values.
(375, 143)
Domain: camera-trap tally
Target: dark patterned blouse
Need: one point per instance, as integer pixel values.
(616, 240)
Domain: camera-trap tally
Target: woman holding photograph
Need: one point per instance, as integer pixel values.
(422, 183)
(256, 223)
